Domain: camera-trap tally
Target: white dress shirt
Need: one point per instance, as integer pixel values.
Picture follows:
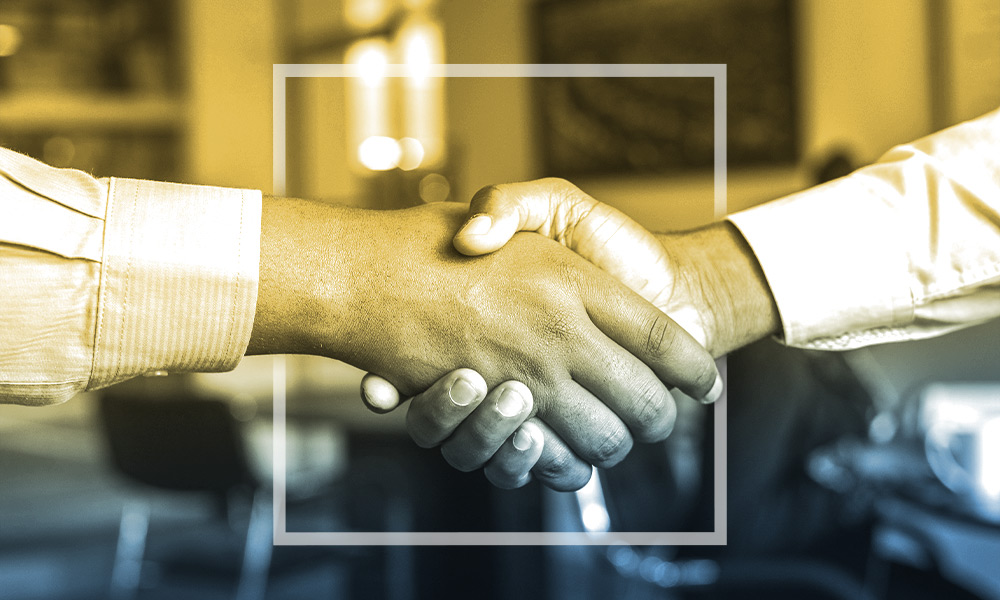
(906, 248)
(102, 280)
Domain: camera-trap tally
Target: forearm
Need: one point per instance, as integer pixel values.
(720, 276)
(903, 249)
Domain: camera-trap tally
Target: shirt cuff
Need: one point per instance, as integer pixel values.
(178, 279)
(833, 258)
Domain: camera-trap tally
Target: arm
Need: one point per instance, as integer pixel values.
(720, 289)
(904, 249)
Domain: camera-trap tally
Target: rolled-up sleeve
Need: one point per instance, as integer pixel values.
(107, 279)
(906, 248)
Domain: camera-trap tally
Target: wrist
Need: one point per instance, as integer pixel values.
(718, 274)
(304, 277)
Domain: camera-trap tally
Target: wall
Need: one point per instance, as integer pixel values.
(863, 69)
(489, 120)
(230, 45)
(863, 73)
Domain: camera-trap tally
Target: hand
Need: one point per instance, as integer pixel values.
(678, 273)
(603, 235)
(471, 431)
(706, 280)
(394, 297)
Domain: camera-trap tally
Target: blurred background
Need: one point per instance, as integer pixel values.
(873, 473)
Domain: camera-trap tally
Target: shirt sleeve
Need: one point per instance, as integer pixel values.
(107, 279)
(903, 249)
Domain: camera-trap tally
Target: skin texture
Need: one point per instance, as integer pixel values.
(707, 280)
(386, 291)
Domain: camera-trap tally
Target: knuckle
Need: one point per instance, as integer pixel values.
(661, 337)
(657, 430)
(555, 469)
(559, 325)
(650, 402)
(558, 183)
(563, 472)
(487, 192)
(655, 413)
(613, 448)
(572, 480)
(567, 266)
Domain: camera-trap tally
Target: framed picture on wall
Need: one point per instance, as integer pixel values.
(595, 126)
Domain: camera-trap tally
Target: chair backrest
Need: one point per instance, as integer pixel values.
(188, 443)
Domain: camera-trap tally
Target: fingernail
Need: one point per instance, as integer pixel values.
(715, 393)
(510, 403)
(462, 393)
(478, 225)
(522, 440)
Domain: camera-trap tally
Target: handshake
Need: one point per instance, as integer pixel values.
(539, 353)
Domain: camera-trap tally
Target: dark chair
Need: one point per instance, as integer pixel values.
(186, 444)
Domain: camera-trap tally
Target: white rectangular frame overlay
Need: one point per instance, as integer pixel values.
(497, 538)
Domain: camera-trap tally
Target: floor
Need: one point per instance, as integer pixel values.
(61, 502)
(60, 505)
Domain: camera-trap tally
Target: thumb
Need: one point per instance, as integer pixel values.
(378, 394)
(495, 216)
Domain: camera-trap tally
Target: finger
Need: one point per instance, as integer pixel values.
(510, 467)
(628, 387)
(654, 338)
(500, 211)
(434, 414)
(559, 467)
(495, 219)
(482, 433)
(587, 425)
(378, 394)
(561, 211)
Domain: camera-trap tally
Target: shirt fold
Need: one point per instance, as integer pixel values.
(906, 248)
(106, 279)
